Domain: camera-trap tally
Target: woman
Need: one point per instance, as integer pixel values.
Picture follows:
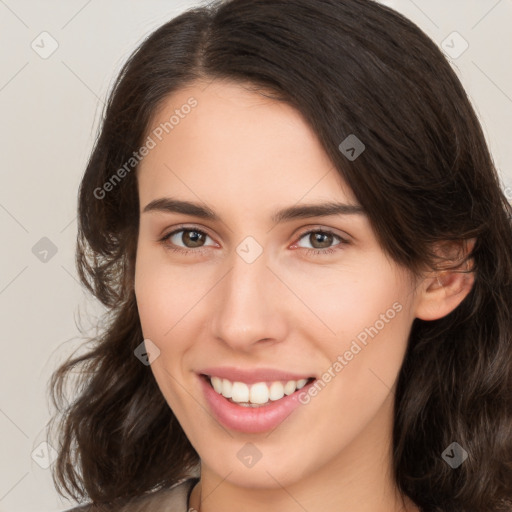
(294, 221)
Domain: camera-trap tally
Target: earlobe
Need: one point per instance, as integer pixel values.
(441, 292)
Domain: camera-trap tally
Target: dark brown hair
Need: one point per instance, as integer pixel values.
(426, 176)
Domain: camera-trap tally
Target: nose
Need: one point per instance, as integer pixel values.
(250, 305)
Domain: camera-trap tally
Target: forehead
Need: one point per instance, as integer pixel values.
(221, 138)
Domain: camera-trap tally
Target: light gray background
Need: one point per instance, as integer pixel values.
(50, 109)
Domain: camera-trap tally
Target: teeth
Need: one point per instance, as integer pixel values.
(290, 387)
(257, 394)
(301, 383)
(240, 392)
(227, 388)
(217, 384)
(276, 391)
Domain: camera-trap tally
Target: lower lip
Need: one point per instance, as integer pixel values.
(251, 420)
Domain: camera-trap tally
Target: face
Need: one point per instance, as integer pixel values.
(257, 301)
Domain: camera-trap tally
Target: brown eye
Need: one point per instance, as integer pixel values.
(192, 238)
(186, 238)
(320, 240)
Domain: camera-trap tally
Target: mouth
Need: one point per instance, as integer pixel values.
(254, 400)
(253, 407)
(256, 395)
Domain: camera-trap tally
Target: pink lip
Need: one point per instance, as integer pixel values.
(250, 420)
(252, 376)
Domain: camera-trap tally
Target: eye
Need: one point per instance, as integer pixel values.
(321, 241)
(192, 238)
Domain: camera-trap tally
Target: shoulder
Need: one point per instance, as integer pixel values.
(172, 499)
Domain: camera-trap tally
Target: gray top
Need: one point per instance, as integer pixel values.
(173, 499)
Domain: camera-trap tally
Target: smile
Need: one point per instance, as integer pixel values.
(254, 395)
(252, 402)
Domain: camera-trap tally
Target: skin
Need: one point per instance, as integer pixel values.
(245, 156)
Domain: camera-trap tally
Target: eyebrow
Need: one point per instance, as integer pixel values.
(303, 211)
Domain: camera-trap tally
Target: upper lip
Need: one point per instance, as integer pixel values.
(234, 374)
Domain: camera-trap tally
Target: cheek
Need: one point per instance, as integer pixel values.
(162, 292)
(368, 311)
(170, 301)
(161, 305)
(347, 298)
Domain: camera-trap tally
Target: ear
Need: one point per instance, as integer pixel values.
(440, 292)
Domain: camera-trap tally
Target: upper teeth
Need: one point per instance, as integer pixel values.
(259, 393)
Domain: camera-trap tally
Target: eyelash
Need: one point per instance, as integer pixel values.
(314, 252)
